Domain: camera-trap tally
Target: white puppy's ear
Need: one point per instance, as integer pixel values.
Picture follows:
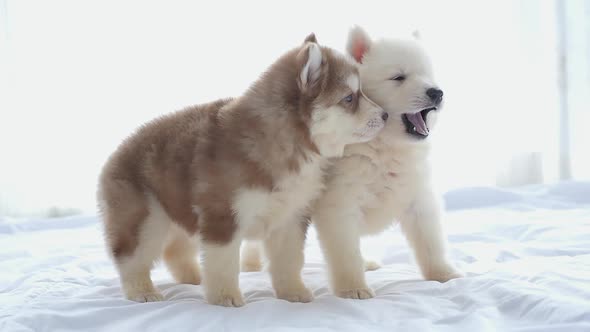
(310, 63)
(359, 43)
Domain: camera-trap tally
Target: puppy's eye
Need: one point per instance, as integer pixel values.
(399, 78)
(348, 99)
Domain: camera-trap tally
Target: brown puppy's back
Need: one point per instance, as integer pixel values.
(157, 159)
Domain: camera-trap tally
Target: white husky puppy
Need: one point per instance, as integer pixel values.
(387, 180)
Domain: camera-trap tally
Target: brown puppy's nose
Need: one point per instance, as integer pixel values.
(384, 116)
(435, 95)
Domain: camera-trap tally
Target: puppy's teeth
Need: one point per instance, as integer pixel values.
(414, 129)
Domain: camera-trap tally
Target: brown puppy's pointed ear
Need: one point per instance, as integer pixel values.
(359, 43)
(310, 39)
(309, 62)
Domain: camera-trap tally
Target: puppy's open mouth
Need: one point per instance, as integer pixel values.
(416, 123)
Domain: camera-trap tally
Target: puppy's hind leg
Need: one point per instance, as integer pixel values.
(251, 260)
(180, 257)
(135, 234)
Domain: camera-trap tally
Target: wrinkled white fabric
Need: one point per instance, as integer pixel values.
(526, 254)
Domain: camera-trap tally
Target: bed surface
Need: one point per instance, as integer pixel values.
(526, 254)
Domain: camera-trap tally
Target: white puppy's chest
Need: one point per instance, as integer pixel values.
(399, 176)
(259, 211)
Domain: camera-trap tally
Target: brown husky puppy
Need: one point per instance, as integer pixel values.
(244, 168)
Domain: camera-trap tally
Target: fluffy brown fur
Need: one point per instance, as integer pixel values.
(191, 163)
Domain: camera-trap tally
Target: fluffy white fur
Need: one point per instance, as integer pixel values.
(384, 181)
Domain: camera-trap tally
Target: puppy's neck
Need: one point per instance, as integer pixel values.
(406, 148)
(269, 133)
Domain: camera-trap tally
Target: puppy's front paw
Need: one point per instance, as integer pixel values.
(189, 275)
(146, 297)
(362, 293)
(295, 294)
(251, 266)
(226, 298)
(443, 274)
(371, 265)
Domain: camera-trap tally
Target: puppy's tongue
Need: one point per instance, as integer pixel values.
(418, 122)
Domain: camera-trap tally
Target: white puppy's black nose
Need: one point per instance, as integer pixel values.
(384, 116)
(435, 95)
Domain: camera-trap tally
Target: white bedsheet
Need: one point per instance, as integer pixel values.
(526, 254)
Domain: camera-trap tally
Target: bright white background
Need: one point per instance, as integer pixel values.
(78, 76)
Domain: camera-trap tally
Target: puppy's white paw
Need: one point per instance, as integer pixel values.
(443, 274)
(189, 275)
(146, 297)
(371, 265)
(361, 293)
(298, 294)
(251, 266)
(226, 298)
(193, 279)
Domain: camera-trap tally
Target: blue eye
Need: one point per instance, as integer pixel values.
(348, 98)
